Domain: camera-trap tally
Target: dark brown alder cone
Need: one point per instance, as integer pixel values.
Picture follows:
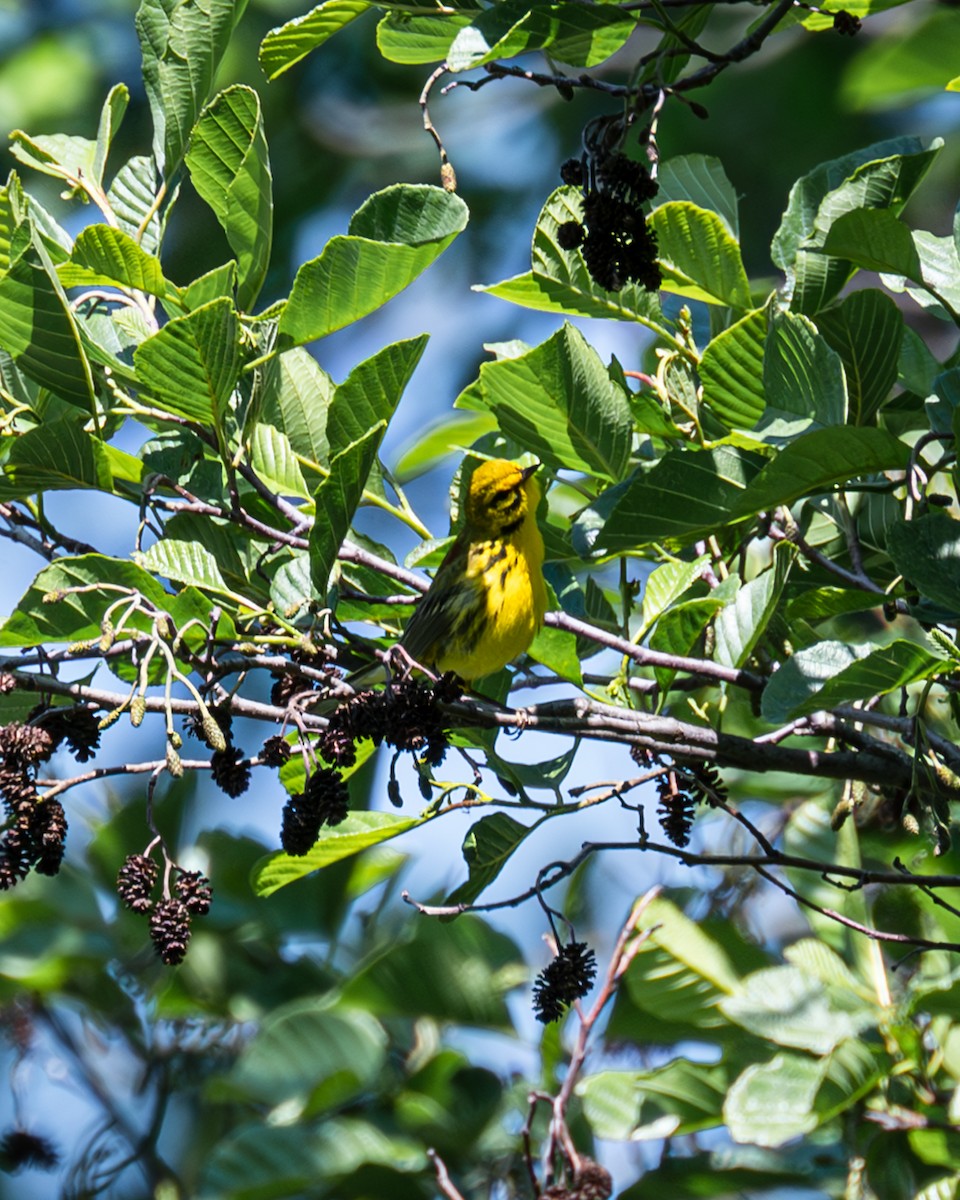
(591, 1181)
(275, 751)
(676, 811)
(136, 879)
(170, 930)
(194, 891)
(49, 833)
(231, 774)
(567, 978)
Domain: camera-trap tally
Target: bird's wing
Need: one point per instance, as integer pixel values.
(451, 605)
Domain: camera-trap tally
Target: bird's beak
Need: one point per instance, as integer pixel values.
(526, 472)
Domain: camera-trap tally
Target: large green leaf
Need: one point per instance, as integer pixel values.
(182, 43)
(667, 583)
(132, 197)
(191, 365)
(486, 848)
(414, 38)
(259, 1160)
(926, 551)
(678, 1099)
(698, 255)
(186, 562)
(680, 974)
(918, 61)
(687, 494)
(106, 256)
(831, 673)
(875, 240)
(701, 179)
(731, 370)
(558, 401)
(581, 35)
(866, 330)
(819, 459)
(371, 392)
(455, 971)
(45, 614)
(880, 176)
(296, 398)
(802, 377)
(773, 1102)
(60, 455)
(393, 238)
(336, 500)
(230, 168)
(37, 326)
(559, 280)
(742, 623)
(289, 43)
(308, 1045)
(791, 1008)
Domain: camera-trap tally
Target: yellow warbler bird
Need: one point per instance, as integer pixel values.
(488, 597)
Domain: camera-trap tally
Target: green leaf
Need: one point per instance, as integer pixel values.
(448, 435)
(680, 974)
(866, 330)
(560, 282)
(289, 43)
(819, 459)
(667, 583)
(881, 176)
(104, 256)
(37, 326)
(701, 179)
(875, 240)
(307, 1045)
(698, 256)
(371, 392)
(230, 168)
(558, 402)
(211, 285)
(786, 1006)
(358, 832)
(486, 848)
(678, 630)
(394, 236)
(926, 551)
(260, 1160)
(832, 673)
(773, 1102)
(186, 562)
(687, 494)
(412, 38)
(336, 500)
(915, 63)
(296, 399)
(274, 461)
(457, 971)
(132, 197)
(182, 43)
(581, 35)
(802, 377)
(55, 456)
(76, 617)
(678, 1099)
(742, 623)
(731, 370)
(58, 154)
(111, 117)
(191, 365)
